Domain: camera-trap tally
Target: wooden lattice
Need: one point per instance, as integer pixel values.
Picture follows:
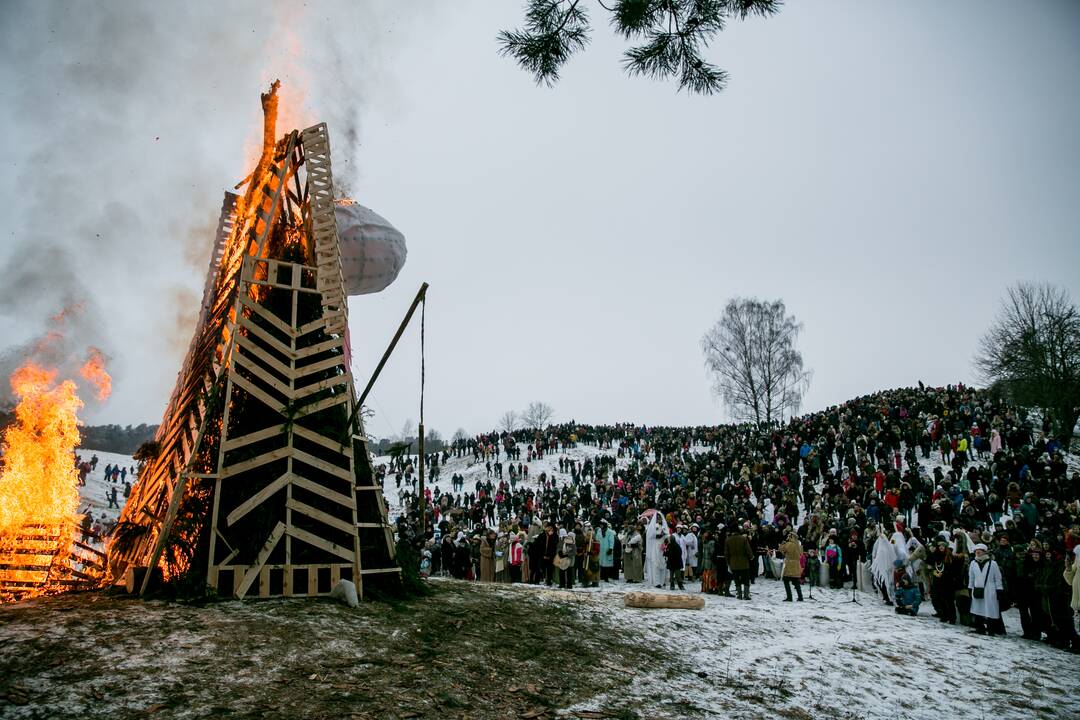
(259, 478)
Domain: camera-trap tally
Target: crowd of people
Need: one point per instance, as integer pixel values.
(946, 495)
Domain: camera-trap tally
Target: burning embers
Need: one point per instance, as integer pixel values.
(39, 483)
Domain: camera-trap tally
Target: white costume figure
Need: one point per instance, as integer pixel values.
(984, 573)
(689, 544)
(882, 564)
(655, 563)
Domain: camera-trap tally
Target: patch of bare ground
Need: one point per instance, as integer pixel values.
(461, 652)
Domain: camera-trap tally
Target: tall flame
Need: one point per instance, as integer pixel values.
(39, 480)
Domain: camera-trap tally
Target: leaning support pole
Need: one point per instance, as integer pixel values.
(386, 355)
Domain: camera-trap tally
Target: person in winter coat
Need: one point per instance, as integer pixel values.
(708, 571)
(673, 553)
(812, 569)
(565, 561)
(943, 583)
(739, 554)
(487, 557)
(689, 542)
(633, 569)
(908, 597)
(984, 582)
(792, 572)
(517, 557)
(834, 558)
(551, 549)
(720, 564)
(1026, 596)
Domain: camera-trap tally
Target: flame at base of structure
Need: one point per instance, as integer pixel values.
(39, 486)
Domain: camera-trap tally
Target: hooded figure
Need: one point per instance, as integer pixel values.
(655, 563)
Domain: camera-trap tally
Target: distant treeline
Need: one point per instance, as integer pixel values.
(104, 438)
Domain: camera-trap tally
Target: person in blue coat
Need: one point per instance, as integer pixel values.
(908, 597)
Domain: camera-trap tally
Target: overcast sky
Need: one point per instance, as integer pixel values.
(885, 168)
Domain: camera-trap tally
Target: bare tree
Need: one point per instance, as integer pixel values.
(509, 421)
(1032, 352)
(537, 415)
(750, 351)
(460, 435)
(408, 431)
(433, 441)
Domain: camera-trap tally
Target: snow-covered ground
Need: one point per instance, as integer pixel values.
(823, 658)
(94, 495)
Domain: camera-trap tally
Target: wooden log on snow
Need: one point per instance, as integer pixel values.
(657, 600)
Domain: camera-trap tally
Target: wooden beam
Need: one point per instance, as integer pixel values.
(257, 499)
(321, 543)
(339, 498)
(319, 515)
(253, 571)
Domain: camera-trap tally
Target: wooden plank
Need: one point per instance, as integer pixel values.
(326, 467)
(376, 571)
(248, 345)
(267, 548)
(339, 498)
(249, 364)
(273, 403)
(305, 370)
(310, 327)
(335, 576)
(317, 348)
(326, 384)
(264, 582)
(313, 581)
(321, 543)
(257, 499)
(316, 514)
(329, 444)
(275, 344)
(257, 436)
(322, 405)
(266, 315)
(255, 462)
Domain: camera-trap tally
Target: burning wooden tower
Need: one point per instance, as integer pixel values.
(259, 480)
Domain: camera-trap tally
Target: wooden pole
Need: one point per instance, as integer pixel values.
(423, 505)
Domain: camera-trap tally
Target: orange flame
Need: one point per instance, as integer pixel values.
(94, 372)
(39, 480)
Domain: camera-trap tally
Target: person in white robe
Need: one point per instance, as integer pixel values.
(655, 563)
(883, 562)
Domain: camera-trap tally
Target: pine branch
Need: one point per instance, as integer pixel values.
(551, 36)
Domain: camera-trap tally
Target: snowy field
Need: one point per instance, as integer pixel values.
(94, 495)
(822, 658)
(829, 658)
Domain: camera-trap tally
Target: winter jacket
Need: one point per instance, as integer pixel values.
(674, 554)
(738, 551)
(689, 544)
(792, 551)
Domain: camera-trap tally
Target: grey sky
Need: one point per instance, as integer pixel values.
(885, 168)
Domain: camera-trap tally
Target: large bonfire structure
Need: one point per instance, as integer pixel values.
(258, 481)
